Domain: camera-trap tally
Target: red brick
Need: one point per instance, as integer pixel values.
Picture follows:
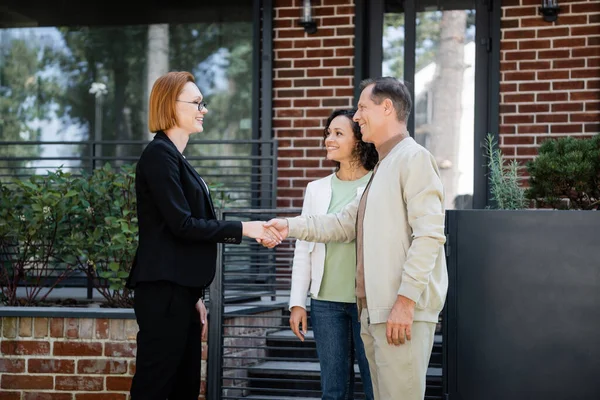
(518, 119)
(291, 73)
(533, 108)
(554, 54)
(519, 139)
(102, 328)
(26, 382)
(578, 96)
(101, 366)
(570, 42)
(47, 396)
(550, 118)
(519, 76)
(530, 129)
(553, 75)
(520, 55)
(566, 20)
(118, 383)
(12, 365)
(79, 383)
(311, 63)
(534, 65)
(567, 85)
(319, 53)
(72, 327)
(552, 32)
(587, 117)
(77, 349)
(519, 12)
(534, 86)
(568, 64)
(56, 327)
(306, 123)
(337, 62)
(586, 52)
(40, 327)
(100, 396)
(557, 107)
(566, 128)
(552, 97)
(585, 30)
(4, 395)
(24, 347)
(50, 366)
(591, 7)
(584, 73)
(307, 43)
(519, 34)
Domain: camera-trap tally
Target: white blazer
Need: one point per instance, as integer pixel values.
(309, 257)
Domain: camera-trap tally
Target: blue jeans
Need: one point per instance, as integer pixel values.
(337, 335)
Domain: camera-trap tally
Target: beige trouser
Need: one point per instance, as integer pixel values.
(397, 372)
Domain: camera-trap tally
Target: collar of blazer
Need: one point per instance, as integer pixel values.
(160, 135)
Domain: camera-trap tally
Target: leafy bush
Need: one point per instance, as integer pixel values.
(55, 225)
(105, 235)
(507, 193)
(35, 217)
(566, 174)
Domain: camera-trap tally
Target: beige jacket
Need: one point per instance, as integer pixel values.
(403, 233)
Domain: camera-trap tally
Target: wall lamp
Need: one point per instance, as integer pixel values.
(550, 10)
(306, 19)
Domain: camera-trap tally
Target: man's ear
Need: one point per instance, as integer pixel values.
(388, 106)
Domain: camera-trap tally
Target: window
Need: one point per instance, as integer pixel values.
(69, 75)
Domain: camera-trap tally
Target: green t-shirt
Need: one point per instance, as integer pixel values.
(339, 276)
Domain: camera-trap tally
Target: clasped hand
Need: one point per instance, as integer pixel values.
(266, 235)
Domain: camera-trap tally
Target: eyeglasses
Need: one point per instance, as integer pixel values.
(200, 105)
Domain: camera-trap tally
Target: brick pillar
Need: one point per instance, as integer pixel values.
(550, 74)
(312, 76)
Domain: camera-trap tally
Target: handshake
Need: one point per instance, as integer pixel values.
(269, 234)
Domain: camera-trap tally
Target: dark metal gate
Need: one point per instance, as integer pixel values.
(522, 317)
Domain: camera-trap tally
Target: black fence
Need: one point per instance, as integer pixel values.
(252, 353)
(242, 173)
(522, 310)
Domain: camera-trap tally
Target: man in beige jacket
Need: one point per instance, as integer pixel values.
(398, 224)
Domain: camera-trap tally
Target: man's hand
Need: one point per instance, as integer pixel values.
(202, 311)
(297, 317)
(280, 225)
(399, 322)
(268, 237)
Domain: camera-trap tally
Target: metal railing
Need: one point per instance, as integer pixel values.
(252, 353)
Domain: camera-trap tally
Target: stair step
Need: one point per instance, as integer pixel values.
(309, 368)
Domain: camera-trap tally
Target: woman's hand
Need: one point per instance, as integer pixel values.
(297, 317)
(202, 311)
(268, 236)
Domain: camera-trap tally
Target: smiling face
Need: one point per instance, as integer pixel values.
(188, 117)
(369, 116)
(340, 141)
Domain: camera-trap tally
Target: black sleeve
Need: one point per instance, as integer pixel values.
(160, 169)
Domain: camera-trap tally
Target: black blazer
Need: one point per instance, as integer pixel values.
(178, 229)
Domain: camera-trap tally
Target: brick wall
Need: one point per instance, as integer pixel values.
(312, 76)
(67, 358)
(550, 74)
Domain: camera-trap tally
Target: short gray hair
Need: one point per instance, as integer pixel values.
(387, 87)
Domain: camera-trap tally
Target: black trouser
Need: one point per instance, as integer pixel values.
(169, 345)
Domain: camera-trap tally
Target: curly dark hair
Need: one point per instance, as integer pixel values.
(364, 152)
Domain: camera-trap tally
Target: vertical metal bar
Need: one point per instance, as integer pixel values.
(360, 26)
(267, 199)
(214, 361)
(487, 92)
(410, 40)
(375, 13)
(256, 103)
(449, 316)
